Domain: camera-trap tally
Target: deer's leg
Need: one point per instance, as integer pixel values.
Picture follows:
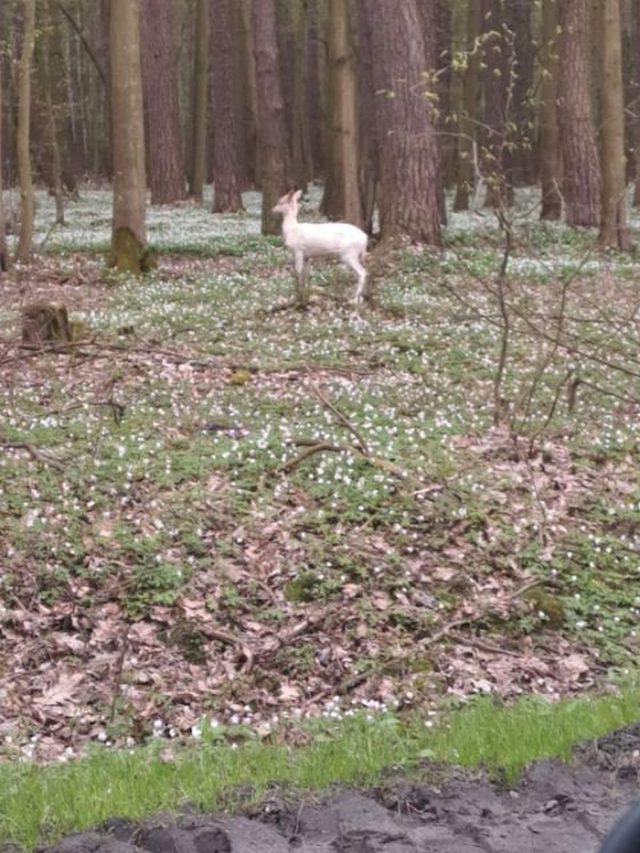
(302, 295)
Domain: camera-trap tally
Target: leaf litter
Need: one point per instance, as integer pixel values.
(169, 571)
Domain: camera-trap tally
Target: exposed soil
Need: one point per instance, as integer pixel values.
(555, 807)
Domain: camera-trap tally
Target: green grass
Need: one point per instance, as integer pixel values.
(42, 803)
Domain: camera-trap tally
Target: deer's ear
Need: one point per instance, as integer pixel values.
(297, 194)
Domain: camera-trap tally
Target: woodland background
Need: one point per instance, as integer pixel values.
(389, 105)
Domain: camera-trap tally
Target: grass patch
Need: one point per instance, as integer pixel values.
(42, 803)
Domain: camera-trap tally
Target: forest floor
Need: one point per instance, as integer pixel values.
(218, 508)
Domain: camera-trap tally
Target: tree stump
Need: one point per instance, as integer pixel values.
(45, 323)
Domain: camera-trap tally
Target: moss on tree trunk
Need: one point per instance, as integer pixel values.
(128, 254)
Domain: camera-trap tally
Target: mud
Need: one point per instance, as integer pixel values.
(554, 807)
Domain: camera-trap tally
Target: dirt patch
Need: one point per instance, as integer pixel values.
(555, 807)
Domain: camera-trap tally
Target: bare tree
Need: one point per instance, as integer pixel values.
(581, 184)
(129, 241)
(272, 131)
(613, 225)
(468, 122)
(226, 131)
(550, 152)
(200, 101)
(160, 81)
(408, 153)
(342, 199)
(27, 204)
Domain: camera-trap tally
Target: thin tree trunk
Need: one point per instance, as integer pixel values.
(129, 185)
(4, 255)
(581, 184)
(226, 133)
(499, 78)
(272, 131)
(342, 187)
(200, 101)
(27, 202)
(52, 106)
(635, 39)
(250, 101)
(468, 138)
(519, 14)
(550, 156)
(408, 201)
(613, 225)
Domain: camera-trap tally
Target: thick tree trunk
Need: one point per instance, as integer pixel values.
(581, 184)
(27, 204)
(129, 186)
(468, 138)
(200, 101)
(550, 155)
(272, 132)
(342, 188)
(408, 201)
(226, 121)
(613, 225)
(162, 112)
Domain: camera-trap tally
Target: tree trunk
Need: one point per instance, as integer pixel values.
(272, 132)
(405, 123)
(162, 112)
(300, 159)
(226, 131)
(467, 140)
(4, 255)
(581, 182)
(369, 150)
(27, 205)
(129, 242)
(250, 96)
(518, 13)
(342, 188)
(635, 39)
(50, 75)
(200, 101)
(550, 157)
(613, 225)
(499, 79)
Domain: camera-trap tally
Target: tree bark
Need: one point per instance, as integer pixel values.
(613, 224)
(49, 78)
(129, 240)
(468, 138)
(272, 132)
(4, 254)
(499, 79)
(518, 13)
(226, 121)
(200, 101)
(162, 112)
(635, 108)
(408, 201)
(342, 198)
(27, 203)
(581, 184)
(550, 155)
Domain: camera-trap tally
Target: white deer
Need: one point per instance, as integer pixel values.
(310, 239)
